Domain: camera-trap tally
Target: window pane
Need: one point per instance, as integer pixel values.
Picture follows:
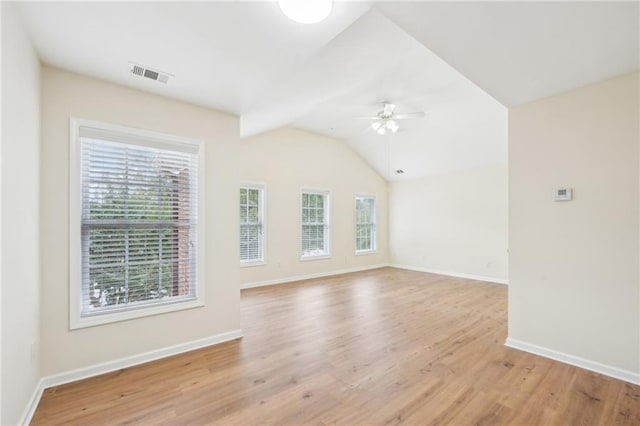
(251, 234)
(253, 197)
(139, 221)
(365, 223)
(314, 228)
(253, 214)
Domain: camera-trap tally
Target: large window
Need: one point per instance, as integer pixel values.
(315, 224)
(251, 225)
(365, 224)
(136, 223)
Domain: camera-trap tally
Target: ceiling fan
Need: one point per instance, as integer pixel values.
(385, 120)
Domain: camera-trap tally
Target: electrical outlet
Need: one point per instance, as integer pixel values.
(33, 350)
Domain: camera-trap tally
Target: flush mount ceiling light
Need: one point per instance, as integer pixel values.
(306, 11)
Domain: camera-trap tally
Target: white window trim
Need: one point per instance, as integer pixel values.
(148, 138)
(374, 243)
(327, 193)
(263, 211)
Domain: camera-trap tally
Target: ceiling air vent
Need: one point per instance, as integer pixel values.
(149, 73)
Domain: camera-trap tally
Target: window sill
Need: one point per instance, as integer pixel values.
(365, 252)
(128, 313)
(315, 257)
(250, 263)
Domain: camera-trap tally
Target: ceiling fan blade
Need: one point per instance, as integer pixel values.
(408, 115)
(388, 109)
(366, 117)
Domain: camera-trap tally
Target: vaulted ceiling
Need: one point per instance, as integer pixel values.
(463, 64)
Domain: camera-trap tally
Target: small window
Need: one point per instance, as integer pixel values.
(365, 224)
(251, 225)
(315, 224)
(136, 231)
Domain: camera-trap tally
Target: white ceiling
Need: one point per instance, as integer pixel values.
(248, 59)
(522, 51)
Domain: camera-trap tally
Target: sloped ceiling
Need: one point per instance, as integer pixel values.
(461, 63)
(523, 51)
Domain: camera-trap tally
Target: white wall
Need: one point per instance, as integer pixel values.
(573, 269)
(288, 160)
(453, 224)
(20, 216)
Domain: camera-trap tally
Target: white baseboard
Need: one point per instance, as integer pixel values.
(311, 276)
(452, 274)
(607, 370)
(118, 364)
(32, 405)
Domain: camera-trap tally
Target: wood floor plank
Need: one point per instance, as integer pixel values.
(387, 346)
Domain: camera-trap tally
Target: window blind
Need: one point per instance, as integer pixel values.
(251, 224)
(365, 224)
(315, 224)
(139, 222)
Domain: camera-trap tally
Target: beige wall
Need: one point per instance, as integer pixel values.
(453, 224)
(67, 95)
(20, 211)
(573, 268)
(288, 160)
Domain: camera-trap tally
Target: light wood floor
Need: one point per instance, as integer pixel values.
(376, 347)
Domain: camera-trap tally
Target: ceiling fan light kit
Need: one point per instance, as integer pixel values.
(306, 11)
(381, 127)
(386, 120)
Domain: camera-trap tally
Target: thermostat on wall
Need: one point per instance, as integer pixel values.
(564, 194)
